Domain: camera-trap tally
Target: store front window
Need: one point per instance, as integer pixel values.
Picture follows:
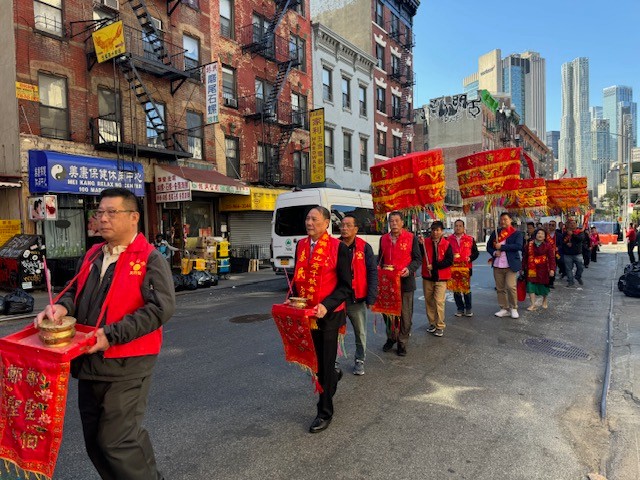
(65, 237)
(199, 219)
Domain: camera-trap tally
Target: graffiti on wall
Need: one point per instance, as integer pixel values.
(453, 108)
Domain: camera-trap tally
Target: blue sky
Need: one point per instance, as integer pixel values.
(452, 34)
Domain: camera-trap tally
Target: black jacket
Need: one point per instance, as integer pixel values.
(572, 243)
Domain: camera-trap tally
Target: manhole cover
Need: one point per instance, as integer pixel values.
(555, 348)
(254, 317)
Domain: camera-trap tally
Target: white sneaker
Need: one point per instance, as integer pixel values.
(502, 313)
(514, 313)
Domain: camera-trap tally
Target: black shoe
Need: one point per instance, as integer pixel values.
(580, 281)
(319, 424)
(402, 351)
(339, 374)
(438, 332)
(389, 345)
(431, 328)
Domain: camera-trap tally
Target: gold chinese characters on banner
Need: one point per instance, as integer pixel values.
(316, 134)
(109, 41)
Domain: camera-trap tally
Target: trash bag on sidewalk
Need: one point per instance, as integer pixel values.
(18, 302)
(632, 284)
(203, 278)
(622, 282)
(2, 305)
(189, 281)
(178, 282)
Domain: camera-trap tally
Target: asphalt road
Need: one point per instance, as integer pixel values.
(482, 402)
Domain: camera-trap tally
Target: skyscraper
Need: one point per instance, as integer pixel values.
(575, 127)
(601, 149)
(553, 137)
(614, 99)
(595, 112)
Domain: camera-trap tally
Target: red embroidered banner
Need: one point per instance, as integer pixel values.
(389, 299)
(568, 194)
(294, 325)
(489, 175)
(529, 197)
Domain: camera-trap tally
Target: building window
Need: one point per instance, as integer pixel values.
(362, 96)
(229, 90)
(226, 18)
(381, 100)
(300, 168)
(346, 150)
(327, 87)
(328, 146)
(395, 26)
(297, 52)
(379, 13)
(191, 52)
(380, 56)
(195, 4)
(149, 40)
(231, 147)
(109, 116)
(396, 111)
(195, 134)
(299, 110)
(397, 146)
(156, 129)
(260, 30)
(299, 8)
(267, 155)
(346, 93)
(54, 118)
(263, 94)
(382, 143)
(364, 162)
(395, 65)
(47, 16)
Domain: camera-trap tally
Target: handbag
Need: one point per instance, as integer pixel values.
(522, 289)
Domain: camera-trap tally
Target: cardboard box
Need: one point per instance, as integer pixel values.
(206, 242)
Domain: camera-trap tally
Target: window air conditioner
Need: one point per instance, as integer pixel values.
(231, 102)
(110, 4)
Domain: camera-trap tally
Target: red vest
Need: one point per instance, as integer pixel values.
(398, 255)
(462, 251)
(359, 270)
(445, 273)
(125, 296)
(328, 273)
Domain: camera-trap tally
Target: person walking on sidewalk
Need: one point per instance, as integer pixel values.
(553, 238)
(572, 241)
(539, 266)
(124, 286)
(595, 244)
(465, 251)
(400, 249)
(437, 260)
(364, 283)
(632, 240)
(505, 249)
(323, 274)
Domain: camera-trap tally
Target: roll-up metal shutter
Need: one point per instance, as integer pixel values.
(250, 234)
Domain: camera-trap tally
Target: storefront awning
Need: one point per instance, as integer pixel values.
(260, 199)
(175, 183)
(10, 184)
(53, 172)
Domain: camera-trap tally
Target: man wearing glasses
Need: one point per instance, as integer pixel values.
(124, 285)
(364, 284)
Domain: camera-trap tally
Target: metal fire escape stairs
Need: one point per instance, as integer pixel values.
(407, 81)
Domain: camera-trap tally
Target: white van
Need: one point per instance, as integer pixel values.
(287, 226)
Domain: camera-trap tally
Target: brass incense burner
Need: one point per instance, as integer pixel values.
(57, 334)
(388, 267)
(298, 302)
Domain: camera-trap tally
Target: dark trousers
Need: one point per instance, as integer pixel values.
(630, 247)
(406, 320)
(112, 414)
(586, 257)
(463, 301)
(594, 254)
(326, 345)
(561, 267)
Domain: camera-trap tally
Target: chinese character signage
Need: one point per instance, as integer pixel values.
(9, 228)
(316, 156)
(211, 85)
(59, 173)
(26, 91)
(109, 41)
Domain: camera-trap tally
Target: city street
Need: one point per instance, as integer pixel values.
(493, 399)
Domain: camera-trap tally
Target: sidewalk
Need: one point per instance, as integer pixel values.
(235, 280)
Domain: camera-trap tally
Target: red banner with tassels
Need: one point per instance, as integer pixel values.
(529, 197)
(568, 195)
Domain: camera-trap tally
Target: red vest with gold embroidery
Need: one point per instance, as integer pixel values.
(125, 296)
(443, 244)
(328, 275)
(398, 255)
(359, 270)
(461, 251)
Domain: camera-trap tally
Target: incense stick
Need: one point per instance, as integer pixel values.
(47, 276)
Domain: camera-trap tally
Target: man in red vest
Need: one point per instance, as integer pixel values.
(465, 251)
(364, 284)
(400, 249)
(632, 240)
(124, 285)
(436, 270)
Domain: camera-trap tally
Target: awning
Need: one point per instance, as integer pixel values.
(10, 184)
(175, 183)
(261, 199)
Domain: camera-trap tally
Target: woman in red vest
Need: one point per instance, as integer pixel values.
(436, 270)
(539, 265)
(323, 276)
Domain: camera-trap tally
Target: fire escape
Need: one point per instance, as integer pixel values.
(278, 118)
(146, 51)
(404, 75)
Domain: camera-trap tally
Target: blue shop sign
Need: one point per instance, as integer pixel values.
(53, 172)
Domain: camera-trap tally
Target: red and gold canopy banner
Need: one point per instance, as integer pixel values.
(568, 195)
(488, 176)
(530, 197)
(413, 182)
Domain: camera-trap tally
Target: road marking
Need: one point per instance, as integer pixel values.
(443, 395)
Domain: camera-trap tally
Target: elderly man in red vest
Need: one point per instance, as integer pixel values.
(436, 270)
(465, 251)
(364, 284)
(125, 286)
(400, 249)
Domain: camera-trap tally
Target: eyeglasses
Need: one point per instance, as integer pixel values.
(111, 213)
(347, 225)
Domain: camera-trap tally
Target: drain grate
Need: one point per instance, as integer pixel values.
(252, 318)
(556, 348)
